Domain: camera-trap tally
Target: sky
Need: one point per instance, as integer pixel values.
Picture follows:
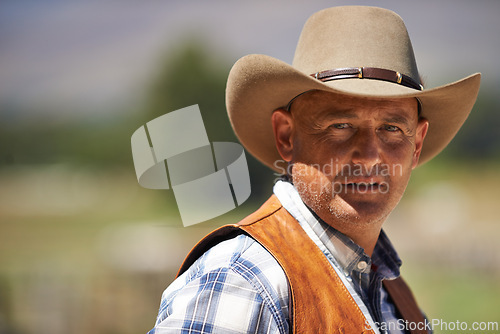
(85, 56)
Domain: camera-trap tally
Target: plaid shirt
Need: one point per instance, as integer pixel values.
(238, 287)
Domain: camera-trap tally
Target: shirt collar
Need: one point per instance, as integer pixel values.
(350, 257)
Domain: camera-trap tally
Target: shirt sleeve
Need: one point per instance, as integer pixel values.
(219, 301)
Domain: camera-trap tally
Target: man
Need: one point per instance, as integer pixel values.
(346, 125)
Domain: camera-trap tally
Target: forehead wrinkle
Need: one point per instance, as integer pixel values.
(398, 118)
(395, 119)
(344, 114)
(314, 109)
(329, 113)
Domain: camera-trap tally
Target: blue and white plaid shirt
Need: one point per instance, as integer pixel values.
(238, 287)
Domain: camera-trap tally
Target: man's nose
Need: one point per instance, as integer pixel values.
(366, 148)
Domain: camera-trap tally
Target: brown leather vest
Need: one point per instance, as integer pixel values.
(320, 303)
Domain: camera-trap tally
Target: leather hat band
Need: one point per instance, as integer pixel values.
(367, 73)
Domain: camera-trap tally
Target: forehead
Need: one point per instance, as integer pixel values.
(319, 105)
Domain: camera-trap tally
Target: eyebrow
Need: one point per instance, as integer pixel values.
(398, 119)
(351, 114)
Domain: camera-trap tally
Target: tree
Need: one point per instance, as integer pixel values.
(191, 74)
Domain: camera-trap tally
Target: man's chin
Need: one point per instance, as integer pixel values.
(359, 213)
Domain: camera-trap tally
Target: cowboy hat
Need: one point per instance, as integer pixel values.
(354, 50)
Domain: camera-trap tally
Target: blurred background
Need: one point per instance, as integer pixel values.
(85, 249)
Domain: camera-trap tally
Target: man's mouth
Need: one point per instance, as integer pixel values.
(362, 184)
(365, 185)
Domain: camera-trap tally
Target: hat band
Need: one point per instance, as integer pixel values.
(367, 73)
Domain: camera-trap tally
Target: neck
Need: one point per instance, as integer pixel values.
(365, 235)
(367, 241)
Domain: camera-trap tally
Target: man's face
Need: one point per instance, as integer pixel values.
(351, 157)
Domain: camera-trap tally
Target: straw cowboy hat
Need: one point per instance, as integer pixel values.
(355, 50)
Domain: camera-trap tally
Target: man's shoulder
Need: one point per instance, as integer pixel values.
(243, 256)
(234, 279)
(239, 263)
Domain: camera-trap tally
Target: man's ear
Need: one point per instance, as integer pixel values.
(283, 133)
(422, 127)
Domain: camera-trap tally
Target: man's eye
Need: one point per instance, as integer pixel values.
(340, 126)
(391, 128)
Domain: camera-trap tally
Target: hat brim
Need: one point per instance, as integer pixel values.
(259, 84)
